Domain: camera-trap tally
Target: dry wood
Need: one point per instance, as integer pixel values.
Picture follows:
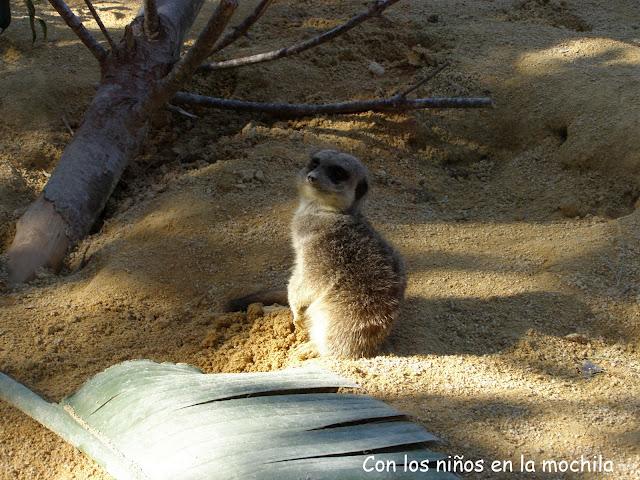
(424, 80)
(151, 19)
(397, 103)
(98, 20)
(241, 29)
(76, 25)
(375, 9)
(200, 50)
(41, 241)
(181, 111)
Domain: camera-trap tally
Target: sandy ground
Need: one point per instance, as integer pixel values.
(518, 224)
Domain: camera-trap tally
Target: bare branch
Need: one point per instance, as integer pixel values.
(424, 80)
(151, 19)
(98, 20)
(180, 111)
(187, 65)
(397, 103)
(375, 9)
(74, 23)
(241, 29)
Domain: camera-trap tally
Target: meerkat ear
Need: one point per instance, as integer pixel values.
(362, 188)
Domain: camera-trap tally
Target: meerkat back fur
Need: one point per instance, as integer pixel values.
(347, 283)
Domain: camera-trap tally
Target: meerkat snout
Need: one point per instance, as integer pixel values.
(347, 283)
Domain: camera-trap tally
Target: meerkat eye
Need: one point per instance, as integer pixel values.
(313, 164)
(337, 174)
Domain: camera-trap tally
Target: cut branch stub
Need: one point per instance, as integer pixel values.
(41, 241)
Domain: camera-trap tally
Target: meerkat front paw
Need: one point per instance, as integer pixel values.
(298, 318)
(305, 351)
(298, 321)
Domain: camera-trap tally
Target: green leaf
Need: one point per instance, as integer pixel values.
(33, 30)
(144, 420)
(31, 9)
(43, 25)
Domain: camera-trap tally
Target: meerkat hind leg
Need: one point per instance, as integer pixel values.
(299, 299)
(318, 324)
(299, 321)
(337, 336)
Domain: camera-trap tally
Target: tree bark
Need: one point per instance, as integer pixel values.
(111, 133)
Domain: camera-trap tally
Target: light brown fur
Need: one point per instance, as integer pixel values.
(348, 282)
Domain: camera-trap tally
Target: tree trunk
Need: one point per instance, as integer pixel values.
(111, 133)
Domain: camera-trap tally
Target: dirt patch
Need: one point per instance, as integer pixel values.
(518, 225)
(557, 13)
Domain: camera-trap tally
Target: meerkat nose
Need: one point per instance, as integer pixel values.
(312, 178)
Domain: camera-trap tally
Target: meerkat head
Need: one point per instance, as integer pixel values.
(334, 180)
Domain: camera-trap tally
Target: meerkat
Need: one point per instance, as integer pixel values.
(347, 283)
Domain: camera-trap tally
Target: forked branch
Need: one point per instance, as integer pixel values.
(79, 29)
(397, 103)
(375, 9)
(200, 50)
(404, 93)
(241, 29)
(151, 19)
(98, 20)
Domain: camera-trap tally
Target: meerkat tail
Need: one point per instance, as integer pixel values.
(266, 297)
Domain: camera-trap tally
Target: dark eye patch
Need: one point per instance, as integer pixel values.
(313, 164)
(362, 189)
(337, 174)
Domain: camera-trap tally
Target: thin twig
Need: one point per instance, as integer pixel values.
(74, 23)
(98, 20)
(424, 80)
(375, 9)
(397, 103)
(242, 28)
(84, 260)
(151, 19)
(180, 111)
(200, 50)
(66, 124)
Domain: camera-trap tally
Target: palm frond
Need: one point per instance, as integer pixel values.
(144, 420)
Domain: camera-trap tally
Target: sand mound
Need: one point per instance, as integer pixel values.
(255, 341)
